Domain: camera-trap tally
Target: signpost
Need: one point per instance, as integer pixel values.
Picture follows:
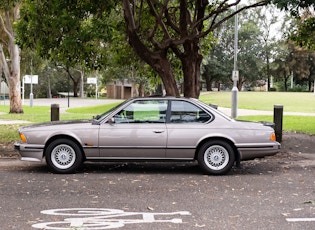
(30, 79)
(93, 80)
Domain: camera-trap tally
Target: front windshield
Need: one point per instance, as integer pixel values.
(106, 113)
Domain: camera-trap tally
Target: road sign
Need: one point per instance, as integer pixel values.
(31, 79)
(92, 80)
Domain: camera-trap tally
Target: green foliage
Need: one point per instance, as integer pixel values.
(303, 34)
(42, 113)
(68, 33)
(300, 124)
(9, 133)
(293, 5)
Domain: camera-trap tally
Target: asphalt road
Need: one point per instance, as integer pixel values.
(277, 192)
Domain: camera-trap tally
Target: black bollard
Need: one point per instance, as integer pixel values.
(54, 112)
(278, 120)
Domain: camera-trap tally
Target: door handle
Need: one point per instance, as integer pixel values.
(158, 131)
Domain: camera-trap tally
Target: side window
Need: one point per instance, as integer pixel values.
(185, 112)
(143, 111)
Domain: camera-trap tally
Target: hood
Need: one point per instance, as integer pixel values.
(54, 123)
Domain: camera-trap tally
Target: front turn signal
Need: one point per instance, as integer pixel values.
(23, 138)
(273, 137)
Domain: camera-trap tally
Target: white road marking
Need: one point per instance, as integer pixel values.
(300, 219)
(94, 218)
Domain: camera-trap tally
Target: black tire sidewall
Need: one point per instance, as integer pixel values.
(223, 144)
(72, 144)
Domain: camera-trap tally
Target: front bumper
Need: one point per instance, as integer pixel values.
(250, 152)
(29, 152)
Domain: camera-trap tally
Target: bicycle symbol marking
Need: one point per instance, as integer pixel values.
(99, 218)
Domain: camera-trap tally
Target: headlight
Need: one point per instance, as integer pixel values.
(273, 137)
(23, 138)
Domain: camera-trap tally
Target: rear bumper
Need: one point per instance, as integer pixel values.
(250, 152)
(29, 152)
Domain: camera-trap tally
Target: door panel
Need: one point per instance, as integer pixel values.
(132, 140)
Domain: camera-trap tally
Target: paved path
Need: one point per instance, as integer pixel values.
(78, 102)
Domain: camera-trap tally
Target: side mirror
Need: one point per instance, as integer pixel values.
(111, 121)
(96, 117)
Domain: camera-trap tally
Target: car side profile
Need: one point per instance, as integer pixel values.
(149, 129)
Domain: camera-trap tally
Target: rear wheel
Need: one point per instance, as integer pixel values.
(63, 156)
(216, 157)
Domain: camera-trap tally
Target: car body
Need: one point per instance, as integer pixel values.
(149, 129)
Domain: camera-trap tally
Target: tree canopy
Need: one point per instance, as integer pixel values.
(160, 32)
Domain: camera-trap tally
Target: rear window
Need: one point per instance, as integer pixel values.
(185, 112)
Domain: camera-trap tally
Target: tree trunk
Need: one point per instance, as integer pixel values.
(12, 74)
(285, 83)
(191, 61)
(156, 59)
(75, 81)
(240, 83)
(208, 83)
(268, 71)
(13, 78)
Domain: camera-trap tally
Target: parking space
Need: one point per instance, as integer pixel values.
(270, 193)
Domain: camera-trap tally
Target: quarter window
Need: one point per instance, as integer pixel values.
(185, 112)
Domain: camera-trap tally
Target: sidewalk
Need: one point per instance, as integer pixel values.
(78, 102)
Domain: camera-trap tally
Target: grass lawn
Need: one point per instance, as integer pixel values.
(292, 102)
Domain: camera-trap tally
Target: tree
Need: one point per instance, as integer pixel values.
(71, 34)
(219, 63)
(158, 30)
(293, 6)
(10, 53)
(304, 33)
(283, 63)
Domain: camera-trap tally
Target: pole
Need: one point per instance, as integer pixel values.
(68, 90)
(31, 94)
(235, 75)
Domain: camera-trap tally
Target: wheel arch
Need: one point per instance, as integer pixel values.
(230, 142)
(62, 136)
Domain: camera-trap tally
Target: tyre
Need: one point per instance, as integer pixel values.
(216, 157)
(63, 156)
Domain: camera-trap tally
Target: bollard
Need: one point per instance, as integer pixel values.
(214, 106)
(54, 112)
(278, 120)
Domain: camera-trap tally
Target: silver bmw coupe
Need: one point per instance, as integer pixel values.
(149, 129)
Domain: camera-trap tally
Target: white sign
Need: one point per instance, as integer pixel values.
(99, 218)
(235, 75)
(92, 80)
(30, 79)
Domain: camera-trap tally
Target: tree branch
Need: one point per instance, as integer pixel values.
(214, 25)
(4, 63)
(5, 28)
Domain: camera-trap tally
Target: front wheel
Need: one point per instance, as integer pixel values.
(63, 156)
(216, 157)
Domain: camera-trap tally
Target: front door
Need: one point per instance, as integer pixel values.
(137, 131)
